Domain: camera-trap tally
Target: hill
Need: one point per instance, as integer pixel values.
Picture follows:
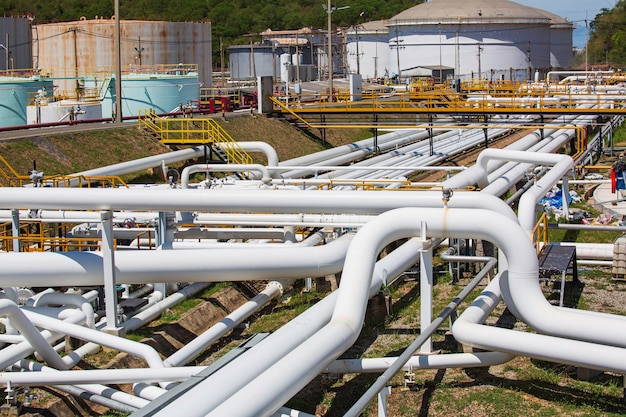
(231, 20)
(74, 152)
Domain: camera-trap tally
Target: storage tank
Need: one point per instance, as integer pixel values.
(163, 92)
(16, 93)
(15, 38)
(497, 39)
(62, 111)
(285, 63)
(368, 49)
(76, 49)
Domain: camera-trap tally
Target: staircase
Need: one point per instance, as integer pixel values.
(194, 131)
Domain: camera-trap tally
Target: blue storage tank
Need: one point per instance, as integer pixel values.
(162, 92)
(16, 93)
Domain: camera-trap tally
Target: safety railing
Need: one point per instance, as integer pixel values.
(539, 234)
(448, 102)
(193, 131)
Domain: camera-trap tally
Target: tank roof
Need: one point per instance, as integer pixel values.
(474, 11)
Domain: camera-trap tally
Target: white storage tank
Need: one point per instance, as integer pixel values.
(285, 63)
(368, 49)
(489, 39)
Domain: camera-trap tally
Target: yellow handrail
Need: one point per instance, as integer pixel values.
(193, 131)
(539, 234)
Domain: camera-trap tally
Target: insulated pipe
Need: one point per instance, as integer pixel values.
(284, 379)
(545, 347)
(146, 352)
(276, 201)
(258, 146)
(425, 334)
(20, 321)
(451, 360)
(528, 202)
(184, 176)
(297, 331)
(519, 156)
(97, 393)
(145, 316)
(262, 219)
(146, 267)
(69, 299)
(145, 163)
(13, 353)
(200, 343)
(100, 376)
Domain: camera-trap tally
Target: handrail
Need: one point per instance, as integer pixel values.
(539, 235)
(193, 131)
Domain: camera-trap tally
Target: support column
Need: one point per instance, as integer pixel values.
(426, 288)
(161, 239)
(382, 401)
(108, 265)
(15, 229)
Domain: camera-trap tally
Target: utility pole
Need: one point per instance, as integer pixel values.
(118, 66)
(398, 53)
(222, 60)
(480, 48)
(329, 11)
(139, 50)
(530, 68)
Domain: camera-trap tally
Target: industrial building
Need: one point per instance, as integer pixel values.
(488, 39)
(288, 55)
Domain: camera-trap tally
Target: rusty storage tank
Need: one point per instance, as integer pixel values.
(15, 43)
(71, 50)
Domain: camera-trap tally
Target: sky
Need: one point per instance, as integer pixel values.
(576, 11)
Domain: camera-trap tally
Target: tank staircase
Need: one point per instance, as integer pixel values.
(194, 131)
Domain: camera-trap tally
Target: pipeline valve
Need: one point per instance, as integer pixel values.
(446, 194)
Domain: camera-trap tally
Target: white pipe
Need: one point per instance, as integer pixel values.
(451, 360)
(567, 351)
(146, 352)
(258, 146)
(69, 299)
(306, 361)
(100, 376)
(262, 219)
(146, 267)
(245, 201)
(590, 251)
(19, 320)
(100, 390)
(288, 337)
(145, 163)
(147, 315)
(187, 171)
(200, 343)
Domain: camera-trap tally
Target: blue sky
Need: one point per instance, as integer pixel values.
(575, 10)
